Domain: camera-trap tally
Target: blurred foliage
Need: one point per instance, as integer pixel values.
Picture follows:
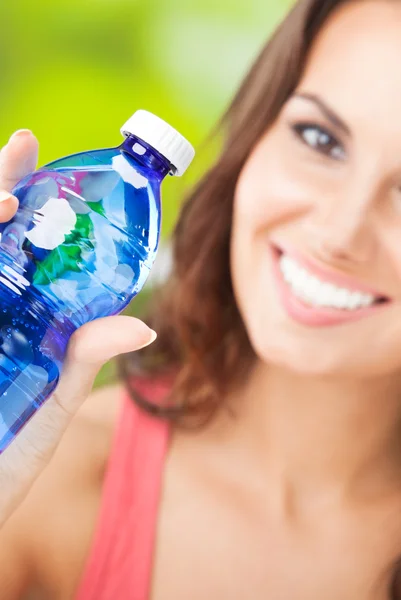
(73, 71)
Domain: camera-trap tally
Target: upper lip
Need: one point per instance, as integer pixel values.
(335, 278)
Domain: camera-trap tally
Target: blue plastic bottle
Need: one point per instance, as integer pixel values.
(80, 247)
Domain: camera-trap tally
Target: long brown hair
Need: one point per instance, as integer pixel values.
(202, 349)
(202, 343)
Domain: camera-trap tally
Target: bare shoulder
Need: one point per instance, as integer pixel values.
(53, 529)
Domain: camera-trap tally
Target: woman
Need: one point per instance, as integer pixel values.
(280, 333)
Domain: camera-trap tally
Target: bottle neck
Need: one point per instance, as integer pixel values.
(147, 156)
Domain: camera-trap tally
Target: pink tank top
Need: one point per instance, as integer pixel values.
(120, 562)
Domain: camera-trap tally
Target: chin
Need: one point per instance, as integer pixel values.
(277, 343)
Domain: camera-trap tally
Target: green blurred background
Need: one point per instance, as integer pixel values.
(73, 71)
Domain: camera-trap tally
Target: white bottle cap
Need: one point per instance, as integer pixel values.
(162, 137)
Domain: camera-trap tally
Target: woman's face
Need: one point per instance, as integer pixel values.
(324, 186)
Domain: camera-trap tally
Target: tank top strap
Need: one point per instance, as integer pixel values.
(120, 562)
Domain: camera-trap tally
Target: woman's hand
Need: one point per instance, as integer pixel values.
(90, 347)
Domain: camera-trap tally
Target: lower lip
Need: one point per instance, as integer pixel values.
(314, 316)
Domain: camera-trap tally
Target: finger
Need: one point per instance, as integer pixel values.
(18, 158)
(36, 443)
(121, 334)
(87, 352)
(8, 206)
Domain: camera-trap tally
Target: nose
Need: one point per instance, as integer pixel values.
(342, 229)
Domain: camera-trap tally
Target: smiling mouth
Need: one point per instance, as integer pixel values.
(319, 302)
(323, 288)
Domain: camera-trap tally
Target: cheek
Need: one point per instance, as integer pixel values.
(272, 187)
(272, 194)
(253, 210)
(259, 205)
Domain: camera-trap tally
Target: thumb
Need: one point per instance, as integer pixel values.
(89, 348)
(18, 158)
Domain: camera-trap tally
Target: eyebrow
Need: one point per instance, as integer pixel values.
(326, 110)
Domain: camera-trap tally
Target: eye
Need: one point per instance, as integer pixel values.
(319, 139)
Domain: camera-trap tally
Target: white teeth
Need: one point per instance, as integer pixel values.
(316, 292)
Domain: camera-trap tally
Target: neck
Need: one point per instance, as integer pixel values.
(147, 156)
(312, 435)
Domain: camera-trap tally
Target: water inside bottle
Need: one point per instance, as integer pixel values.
(80, 246)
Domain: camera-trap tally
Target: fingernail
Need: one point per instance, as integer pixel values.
(4, 195)
(153, 336)
(19, 133)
